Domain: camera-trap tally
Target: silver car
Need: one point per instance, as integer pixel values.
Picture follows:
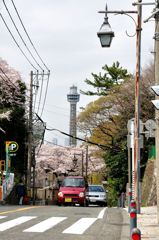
(97, 195)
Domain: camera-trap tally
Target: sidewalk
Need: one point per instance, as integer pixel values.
(147, 223)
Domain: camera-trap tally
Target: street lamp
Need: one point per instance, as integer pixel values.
(74, 160)
(105, 33)
(109, 35)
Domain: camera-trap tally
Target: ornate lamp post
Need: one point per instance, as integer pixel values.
(108, 35)
(74, 160)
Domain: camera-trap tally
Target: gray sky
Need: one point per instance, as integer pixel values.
(65, 34)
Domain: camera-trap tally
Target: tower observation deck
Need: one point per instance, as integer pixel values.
(73, 97)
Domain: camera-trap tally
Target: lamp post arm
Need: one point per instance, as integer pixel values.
(127, 13)
(119, 12)
(141, 4)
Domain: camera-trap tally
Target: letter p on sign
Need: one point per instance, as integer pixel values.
(12, 146)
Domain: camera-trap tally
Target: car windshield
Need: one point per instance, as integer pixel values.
(73, 182)
(96, 189)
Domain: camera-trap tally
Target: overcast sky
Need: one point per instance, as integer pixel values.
(65, 34)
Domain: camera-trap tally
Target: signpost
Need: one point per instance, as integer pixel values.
(11, 148)
(150, 127)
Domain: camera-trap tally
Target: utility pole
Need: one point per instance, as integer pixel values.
(86, 162)
(30, 134)
(137, 110)
(82, 163)
(157, 111)
(33, 165)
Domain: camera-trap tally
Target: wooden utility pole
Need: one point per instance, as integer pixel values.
(33, 165)
(136, 179)
(30, 134)
(86, 162)
(82, 163)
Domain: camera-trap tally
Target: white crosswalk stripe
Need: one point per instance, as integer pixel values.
(15, 222)
(80, 226)
(1, 217)
(45, 225)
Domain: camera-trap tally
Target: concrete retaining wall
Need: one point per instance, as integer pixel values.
(148, 192)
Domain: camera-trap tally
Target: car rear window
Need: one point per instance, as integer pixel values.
(96, 189)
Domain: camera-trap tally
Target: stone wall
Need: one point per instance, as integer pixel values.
(148, 189)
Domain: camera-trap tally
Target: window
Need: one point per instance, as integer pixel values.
(73, 182)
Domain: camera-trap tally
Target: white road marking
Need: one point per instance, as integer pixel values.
(15, 222)
(80, 226)
(45, 225)
(2, 217)
(101, 214)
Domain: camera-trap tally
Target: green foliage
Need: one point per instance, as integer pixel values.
(117, 167)
(106, 120)
(112, 194)
(103, 83)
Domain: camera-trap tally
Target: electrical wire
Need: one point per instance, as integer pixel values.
(11, 97)
(81, 139)
(41, 90)
(28, 50)
(28, 35)
(42, 140)
(36, 90)
(9, 79)
(56, 145)
(17, 42)
(21, 35)
(45, 94)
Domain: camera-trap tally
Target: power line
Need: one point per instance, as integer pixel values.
(17, 42)
(28, 35)
(36, 89)
(45, 94)
(21, 36)
(10, 96)
(81, 139)
(8, 78)
(13, 37)
(58, 145)
(41, 90)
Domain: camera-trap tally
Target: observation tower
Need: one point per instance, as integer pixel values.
(73, 97)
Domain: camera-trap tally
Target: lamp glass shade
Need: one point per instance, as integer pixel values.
(105, 40)
(105, 34)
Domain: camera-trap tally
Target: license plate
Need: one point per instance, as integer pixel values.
(92, 200)
(68, 199)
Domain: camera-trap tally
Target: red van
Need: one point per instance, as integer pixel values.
(72, 191)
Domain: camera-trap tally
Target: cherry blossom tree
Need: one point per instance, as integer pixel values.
(12, 114)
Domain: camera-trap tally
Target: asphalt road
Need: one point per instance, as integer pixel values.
(63, 223)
